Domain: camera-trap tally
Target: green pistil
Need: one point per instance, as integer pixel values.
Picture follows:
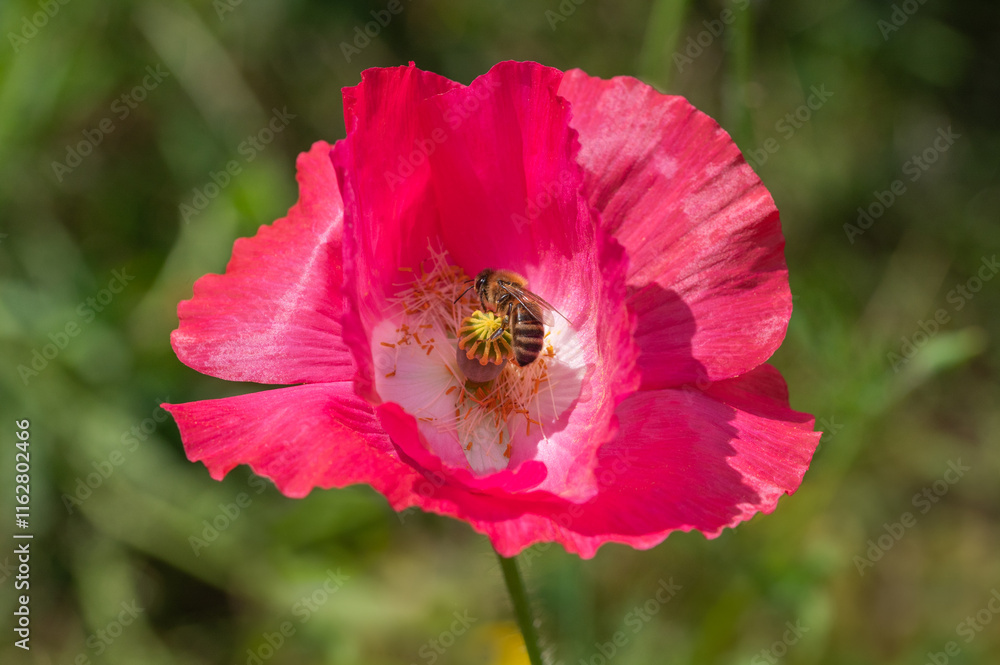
(480, 358)
(474, 338)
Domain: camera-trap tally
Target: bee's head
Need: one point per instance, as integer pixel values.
(481, 281)
(479, 284)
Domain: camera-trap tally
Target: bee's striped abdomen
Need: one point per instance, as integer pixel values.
(527, 333)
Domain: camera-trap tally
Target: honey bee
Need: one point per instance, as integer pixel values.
(523, 312)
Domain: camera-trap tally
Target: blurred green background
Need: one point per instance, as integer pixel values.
(837, 105)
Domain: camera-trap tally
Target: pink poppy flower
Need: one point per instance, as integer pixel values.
(650, 408)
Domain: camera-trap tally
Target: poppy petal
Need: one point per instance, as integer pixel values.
(707, 276)
(683, 460)
(274, 316)
(389, 214)
(319, 435)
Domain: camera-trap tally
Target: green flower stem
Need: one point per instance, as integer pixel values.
(515, 586)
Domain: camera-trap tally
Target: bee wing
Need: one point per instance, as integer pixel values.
(534, 302)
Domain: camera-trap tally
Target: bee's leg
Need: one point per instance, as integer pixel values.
(498, 333)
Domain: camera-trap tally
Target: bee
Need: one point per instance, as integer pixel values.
(523, 312)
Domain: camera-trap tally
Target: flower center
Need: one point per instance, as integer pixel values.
(426, 354)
